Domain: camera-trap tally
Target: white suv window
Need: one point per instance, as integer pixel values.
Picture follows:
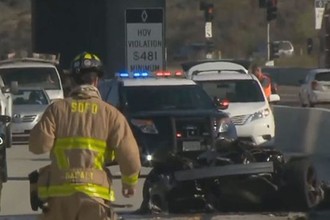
(323, 76)
(44, 77)
(234, 90)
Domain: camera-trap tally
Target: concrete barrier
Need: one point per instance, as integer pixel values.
(289, 76)
(302, 130)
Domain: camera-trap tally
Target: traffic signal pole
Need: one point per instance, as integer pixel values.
(271, 14)
(268, 41)
(208, 15)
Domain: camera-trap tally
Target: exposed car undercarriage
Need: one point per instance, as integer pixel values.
(233, 177)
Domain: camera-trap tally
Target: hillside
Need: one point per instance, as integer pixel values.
(239, 27)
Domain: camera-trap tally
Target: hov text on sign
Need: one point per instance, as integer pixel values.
(144, 40)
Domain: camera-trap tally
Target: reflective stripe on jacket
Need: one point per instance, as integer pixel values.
(89, 181)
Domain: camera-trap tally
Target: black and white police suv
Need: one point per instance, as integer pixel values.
(168, 114)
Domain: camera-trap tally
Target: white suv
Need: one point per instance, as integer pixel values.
(241, 96)
(33, 72)
(315, 88)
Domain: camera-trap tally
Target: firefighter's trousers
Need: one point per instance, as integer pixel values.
(76, 207)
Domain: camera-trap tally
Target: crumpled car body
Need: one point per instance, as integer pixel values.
(234, 178)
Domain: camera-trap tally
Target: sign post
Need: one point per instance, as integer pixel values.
(145, 47)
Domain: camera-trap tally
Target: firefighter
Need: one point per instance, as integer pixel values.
(83, 134)
(263, 79)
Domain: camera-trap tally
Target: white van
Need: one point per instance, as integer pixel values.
(241, 95)
(33, 72)
(213, 65)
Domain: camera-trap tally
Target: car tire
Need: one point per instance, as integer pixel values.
(153, 193)
(310, 104)
(302, 102)
(302, 186)
(144, 208)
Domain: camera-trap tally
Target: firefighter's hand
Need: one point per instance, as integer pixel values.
(128, 191)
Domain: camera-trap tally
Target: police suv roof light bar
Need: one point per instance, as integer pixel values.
(196, 72)
(167, 73)
(133, 75)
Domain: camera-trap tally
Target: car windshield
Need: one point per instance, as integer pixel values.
(30, 97)
(234, 90)
(160, 98)
(44, 77)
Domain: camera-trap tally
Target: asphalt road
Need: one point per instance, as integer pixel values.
(15, 194)
(289, 95)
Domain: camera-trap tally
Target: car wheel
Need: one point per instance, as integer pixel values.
(154, 195)
(302, 186)
(302, 102)
(144, 207)
(310, 104)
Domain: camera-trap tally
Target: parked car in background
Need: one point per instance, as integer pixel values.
(28, 106)
(315, 88)
(285, 48)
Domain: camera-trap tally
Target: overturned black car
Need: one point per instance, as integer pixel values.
(233, 178)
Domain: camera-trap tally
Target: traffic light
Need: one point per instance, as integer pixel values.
(274, 50)
(309, 46)
(271, 9)
(208, 9)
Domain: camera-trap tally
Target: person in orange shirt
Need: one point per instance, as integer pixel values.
(264, 80)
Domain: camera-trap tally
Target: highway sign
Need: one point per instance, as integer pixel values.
(144, 39)
(319, 12)
(320, 3)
